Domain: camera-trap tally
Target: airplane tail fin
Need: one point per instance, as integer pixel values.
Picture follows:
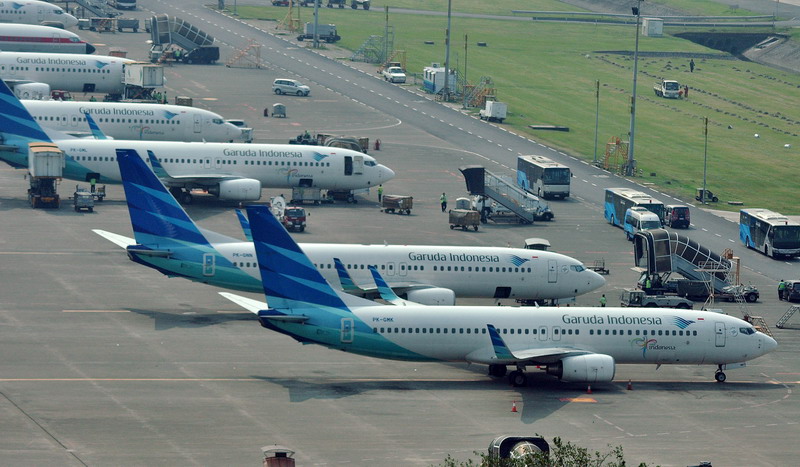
(387, 294)
(156, 216)
(16, 123)
(348, 284)
(291, 282)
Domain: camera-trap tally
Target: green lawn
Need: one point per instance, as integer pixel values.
(546, 73)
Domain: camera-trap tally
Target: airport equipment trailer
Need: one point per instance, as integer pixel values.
(397, 203)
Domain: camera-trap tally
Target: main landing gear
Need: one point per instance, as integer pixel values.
(516, 378)
(720, 375)
(183, 196)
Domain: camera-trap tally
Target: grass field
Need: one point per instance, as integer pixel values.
(546, 73)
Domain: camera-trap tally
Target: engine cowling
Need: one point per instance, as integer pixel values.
(242, 189)
(435, 296)
(35, 91)
(592, 368)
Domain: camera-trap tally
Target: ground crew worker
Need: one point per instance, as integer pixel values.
(443, 200)
(647, 284)
(380, 192)
(92, 183)
(781, 289)
(603, 301)
(92, 99)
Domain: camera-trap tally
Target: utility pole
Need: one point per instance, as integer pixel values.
(630, 167)
(446, 89)
(466, 43)
(596, 116)
(705, 158)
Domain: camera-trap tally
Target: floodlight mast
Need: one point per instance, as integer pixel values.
(630, 167)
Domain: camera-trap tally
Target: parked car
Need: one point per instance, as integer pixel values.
(394, 74)
(290, 86)
(677, 216)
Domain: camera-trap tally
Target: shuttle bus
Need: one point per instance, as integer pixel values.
(769, 232)
(619, 200)
(543, 177)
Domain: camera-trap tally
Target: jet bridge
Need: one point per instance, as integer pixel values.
(505, 192)
(661, 252)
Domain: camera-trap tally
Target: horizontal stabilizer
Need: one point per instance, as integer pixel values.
(119, 240)
(149, 252)
(253, 306)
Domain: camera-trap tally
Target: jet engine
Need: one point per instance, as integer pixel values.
(432, 296)
(35, 91)
(592, 368)
(242, 189)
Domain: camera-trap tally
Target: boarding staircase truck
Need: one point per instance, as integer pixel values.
(525, 207)
(193, 45)
(46, 164)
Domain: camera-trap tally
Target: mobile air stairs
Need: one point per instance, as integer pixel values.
(98, 8)
(167, 31)
(524, 205)
(659, 253)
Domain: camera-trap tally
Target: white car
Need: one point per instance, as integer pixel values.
(290, 86)
(394, 74)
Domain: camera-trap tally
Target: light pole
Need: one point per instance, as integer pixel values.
(630, 167)
(705, 158)
(596, 116)
(446, 89)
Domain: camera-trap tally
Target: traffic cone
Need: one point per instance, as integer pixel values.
(514, 406)
(589, 389)
(630, 385)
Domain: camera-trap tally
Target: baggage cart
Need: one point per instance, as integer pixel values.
(464, 218)
(397, 203)
(278, 110)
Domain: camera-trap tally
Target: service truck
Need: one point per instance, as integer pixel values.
(638, 298)
(667, 88)
(45, 169)
(327, 33)
(494, 111)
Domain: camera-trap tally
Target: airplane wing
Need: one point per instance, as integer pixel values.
(500, 353)
(199, 179)
(119, 240)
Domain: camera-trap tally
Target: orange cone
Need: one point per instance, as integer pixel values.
(514, 406)
(630, 386)
(589, 389)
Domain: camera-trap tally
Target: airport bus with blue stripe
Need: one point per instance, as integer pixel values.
(619, 200)
(543, 177)
(769, 232)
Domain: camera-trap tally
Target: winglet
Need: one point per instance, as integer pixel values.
(158, 169)
(386, 292)
(245, 225)
(96, 131)
(348, 284)
(500, 348)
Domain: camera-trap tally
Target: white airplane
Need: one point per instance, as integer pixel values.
(134, 121)
(230, 171)
(167, 240)
(575, 344)
(69, 72)
(35, 12)
(36, 38)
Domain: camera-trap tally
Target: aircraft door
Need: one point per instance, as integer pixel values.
(719, 334)
(403, 269)
(198, 123)
(209, 262)
(40, 14)
(557, 333)
(542, 333)
(348, 165)
(552, 271)
(358, 165)
(347, 332)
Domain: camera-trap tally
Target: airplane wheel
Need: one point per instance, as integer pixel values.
(720, 377)
(186, 198)
(517, 378)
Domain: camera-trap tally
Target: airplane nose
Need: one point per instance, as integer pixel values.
(69, 21)
(595, 280)
(90, 49)
(770, 344)
(386, 173)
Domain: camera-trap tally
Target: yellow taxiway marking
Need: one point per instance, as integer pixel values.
(577, 399)
(96, 311)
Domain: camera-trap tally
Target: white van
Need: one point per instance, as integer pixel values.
(290, 86)
(638, 218)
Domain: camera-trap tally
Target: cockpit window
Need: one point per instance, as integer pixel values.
(577, 267)
(217, 121)
(370, 163)
(747, 331)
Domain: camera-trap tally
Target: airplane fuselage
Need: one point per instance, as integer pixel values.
(69, 72)
(134, 121)
(488, 272)
(35, 38)
(35, 12)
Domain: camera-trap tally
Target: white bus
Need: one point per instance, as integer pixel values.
(543, 177)
(619, 200)
(769, 232)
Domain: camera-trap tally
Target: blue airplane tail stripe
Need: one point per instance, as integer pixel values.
(16, 120)
(153, 210)
(290, 279)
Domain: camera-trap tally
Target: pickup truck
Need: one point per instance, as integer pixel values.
(667, 88)
(394, 74)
